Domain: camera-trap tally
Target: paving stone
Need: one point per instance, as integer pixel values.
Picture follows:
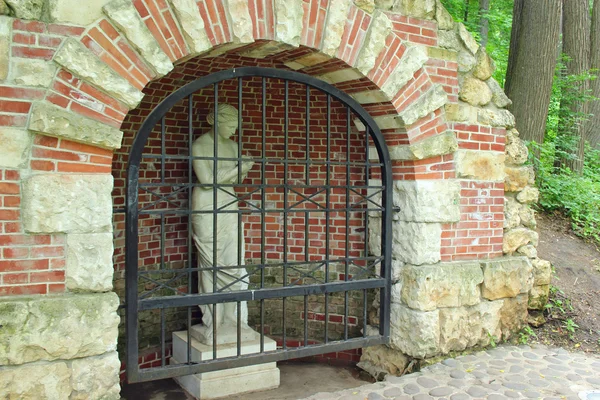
(457, 374)
(539, 382)
(457, 383)
(532, 395)
(593, 381)
(512, 394)
(574, 377)
(531, 356)
(516, 369)
(375, 396)
(496, 397)
(515, 385)
(584, 372)
(427, 383)
(392, 392)
(479, 374)
(460, 396)
(422, 397)
(515, 378)
(451, 362)
(477, 391)
(441, 391)
(411, 388)
(559, 367)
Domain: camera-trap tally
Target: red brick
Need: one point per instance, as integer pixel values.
(24, 38)
(10, 120)
(9, 188)
(39, 152)
(23, 290)
(49, 41)
(15, 252)
(29, 26)
(87, 168)
(21, 93)
(65, 30)
(56, 288)
(47, 276)
(12, 201)
(84, 148)
(9, 215)
(23, 265)
(18, 107)
(32, 52)
(108, 29)
(15, 279)
(47, 251)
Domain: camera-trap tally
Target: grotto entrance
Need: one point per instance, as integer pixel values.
(250, 198)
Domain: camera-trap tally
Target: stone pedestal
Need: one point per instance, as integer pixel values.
(211, 385)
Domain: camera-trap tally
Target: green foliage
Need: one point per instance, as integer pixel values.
(525, 334)
(500, 24)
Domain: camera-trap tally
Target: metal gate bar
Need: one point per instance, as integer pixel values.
(136, 303)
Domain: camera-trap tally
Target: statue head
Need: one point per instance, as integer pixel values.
(227, 122)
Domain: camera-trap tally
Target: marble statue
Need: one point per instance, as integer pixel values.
(227, 230)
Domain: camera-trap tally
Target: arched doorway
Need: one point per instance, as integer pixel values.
(299, 204)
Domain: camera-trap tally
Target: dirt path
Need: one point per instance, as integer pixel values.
(577, 275)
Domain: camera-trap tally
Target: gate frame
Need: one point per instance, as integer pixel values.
(133, 305)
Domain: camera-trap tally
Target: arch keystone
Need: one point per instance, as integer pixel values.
(240, 20)
(77, 59)
(192, 25)
(124, 15)
(52, 120)
(289, 15)
(337, 14)
(379, 29)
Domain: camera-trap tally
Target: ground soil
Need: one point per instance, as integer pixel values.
(577, 279)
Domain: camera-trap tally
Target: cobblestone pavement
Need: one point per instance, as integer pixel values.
(506, 372)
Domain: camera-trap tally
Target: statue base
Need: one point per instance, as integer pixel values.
(228, 382)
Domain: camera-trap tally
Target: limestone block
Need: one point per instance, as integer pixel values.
(412, 60)
(460, 328)
(513, 315)
(89, 262)
(517, 237)
(267, 49)
(528, 195)
(427, 287)
(80, 61)
(27, 9)
(241, 23)
(484, 67)
(441, 53)
(538, 297)
(466, 61)
(32, 72)
(506, 277)
(124, 15)
(4, 10)
(96, 378)
(366, 5)
(192, 24)
(461, 112)
(427, 103)
(52, 328)
(467, 39)
(475, 92)
(443, 17)
(479, 165)
(415, 333)
(527, 215)
(337, 15)
(498, 118)
(444, 143)
(512, 210)
(528, 251)
(75, 11)
(374, 42)
(424, 9)
(289, 16)
(517, 178)
(14, 150)
(5, 41)
(448, 39)
(490, 321)
(516, 149)
(48, 381)
(67, 203)
(56, 121)
(428, 200)
(417, 243)
(542, 272)
(380, 361)
(499, 98)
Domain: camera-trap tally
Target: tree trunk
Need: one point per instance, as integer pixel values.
(592, 132)
(532, 57)
(576, 40)
(484, 8)
(466, 10)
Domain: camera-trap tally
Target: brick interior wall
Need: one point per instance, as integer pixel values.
(299, 249)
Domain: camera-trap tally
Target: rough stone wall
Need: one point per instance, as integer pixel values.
(68, 83)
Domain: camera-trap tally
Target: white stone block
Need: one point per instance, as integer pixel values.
(506, 277)
(289, 15)
(48, 381)
(124, 15)
(412, 60)
(374, 42)
(67, 203)
(192, 25)
(76, 11)
(240, 21)
(96, 378)
(5, 42)
(480, 165)
(89, 264)
(417, 243)
(428, 200)
(14, 148)
(32, 72)
(81, 62)
(427, 103)
(52, 328)
(337, 15)
(415, 333)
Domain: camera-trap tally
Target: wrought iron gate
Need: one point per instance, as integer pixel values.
(372, 200)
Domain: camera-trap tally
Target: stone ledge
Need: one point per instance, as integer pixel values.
(55, 121)
(506, 277)
(71, 203)
(433, 146)
(81, 62)
(57, 328)
(480, 165)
